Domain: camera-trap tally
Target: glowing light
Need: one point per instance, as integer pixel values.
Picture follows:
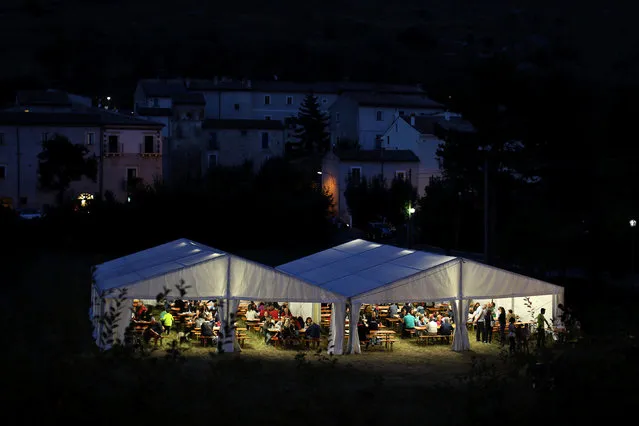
(633, 223)
(411, 210)
(84, 198)
(108, 98)
(128, 199)
(319, 173)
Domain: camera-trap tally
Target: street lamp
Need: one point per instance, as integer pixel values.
(410, 210)
(633, 225)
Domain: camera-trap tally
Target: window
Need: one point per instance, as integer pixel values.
(131, 173)
(337, 117)
(380, 115)
(356, 174)
(265, 141)
(212, 160)
(237, 107)
(113, 143)
(267, 117)
(267, 100)
(90, 138)
(45, 137)
(148, 144)
(213, 144)
(156, 102)
(400, 175)
(379, 139)
(3, 172)
(1, 139)
(289, 100)
(387, 140)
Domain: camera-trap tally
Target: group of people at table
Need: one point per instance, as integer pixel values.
(278, 324)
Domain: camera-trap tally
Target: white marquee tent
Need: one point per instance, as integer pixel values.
(366, 272)
(209, 274)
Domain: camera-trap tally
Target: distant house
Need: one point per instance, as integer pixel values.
(365, 117)
(154, 99)
(225, 143)
(423, 135)
(340, 166)
(128, 149)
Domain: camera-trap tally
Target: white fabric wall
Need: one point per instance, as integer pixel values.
(303, 310)
(460, 312)
(336, 333)
(483, 282)
(538, 302)
(353, 335)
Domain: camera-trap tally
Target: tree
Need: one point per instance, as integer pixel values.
(312, 126)
(62, 162)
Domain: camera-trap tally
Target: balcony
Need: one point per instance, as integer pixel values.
(113, 150)
(150, 152)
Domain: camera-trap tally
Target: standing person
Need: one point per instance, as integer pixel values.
(488, 324)
(511, 335)
(502, 325)
(541, 331)
(480, 322)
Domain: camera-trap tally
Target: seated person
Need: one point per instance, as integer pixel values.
(432, 326)
(372, 322)
(251, 314)
(207, 331)
(409, 323)
(268, 325)
(446, 329)
(289, 330)
(362, 330)
(312, 329)
(153, 331)
(199, 320)
(393, 310)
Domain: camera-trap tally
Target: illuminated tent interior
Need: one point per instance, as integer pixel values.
(208, 274)
(366, 272)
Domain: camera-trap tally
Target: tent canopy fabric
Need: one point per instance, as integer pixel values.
(368, 272)
(209, 274)
(363, 268)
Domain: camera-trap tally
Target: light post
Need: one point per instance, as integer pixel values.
(410, 210)
(633, 226)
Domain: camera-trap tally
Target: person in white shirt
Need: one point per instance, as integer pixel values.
(432, 326)
(251, 314)
(479, 321)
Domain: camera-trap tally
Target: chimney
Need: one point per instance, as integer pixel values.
(412, 120)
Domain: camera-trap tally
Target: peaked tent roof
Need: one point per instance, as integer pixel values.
(205, 270)
(370, 272)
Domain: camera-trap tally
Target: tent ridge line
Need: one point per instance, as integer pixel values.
(502, 296)
(410, 279)
(354, 255)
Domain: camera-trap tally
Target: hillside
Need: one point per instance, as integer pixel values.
(105, 45)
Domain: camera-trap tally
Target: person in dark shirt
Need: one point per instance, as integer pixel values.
(153, 331)
(372, 322)
(312, 329)
(445, 329)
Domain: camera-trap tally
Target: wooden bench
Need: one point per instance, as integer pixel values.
(241, 338)
(426, 338)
